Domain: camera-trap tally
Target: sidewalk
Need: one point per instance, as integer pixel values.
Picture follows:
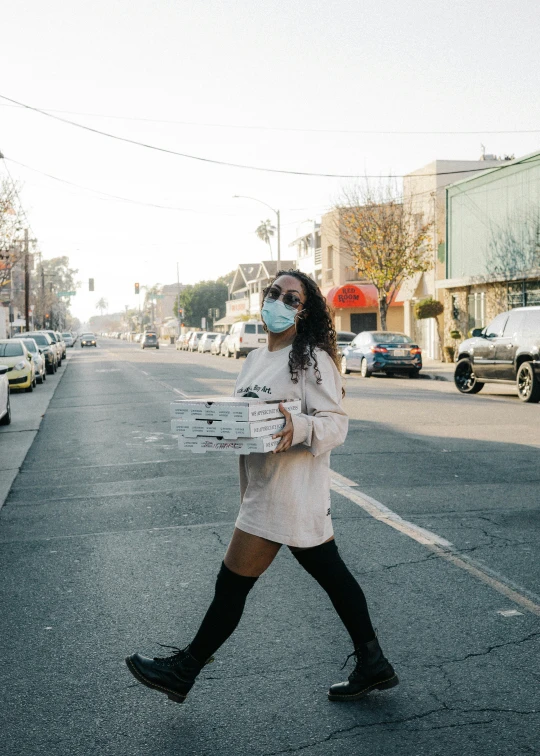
(437, 370)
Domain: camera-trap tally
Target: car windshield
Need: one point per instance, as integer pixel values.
(41, 339)
(88, 336)
(52, 336)
(30, 345)
(384, 337)
(67, 336)
(13, 349)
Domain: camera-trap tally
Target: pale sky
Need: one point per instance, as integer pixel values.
(253, 79)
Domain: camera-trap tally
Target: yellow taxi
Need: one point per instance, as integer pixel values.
(21, 372)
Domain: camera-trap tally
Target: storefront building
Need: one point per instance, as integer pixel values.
(493, 245)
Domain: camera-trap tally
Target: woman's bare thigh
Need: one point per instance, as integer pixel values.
(250, 555)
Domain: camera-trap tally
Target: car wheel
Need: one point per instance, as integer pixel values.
(364, 370)
(414, 373)
(34, 384)
(465, 379)
(344, 370)
(55, 367)
(44, 376)
(528, 385)
(157, 346)
(6, 420)
(29, 388)
(236, 354)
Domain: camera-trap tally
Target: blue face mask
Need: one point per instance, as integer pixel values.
(278, 316)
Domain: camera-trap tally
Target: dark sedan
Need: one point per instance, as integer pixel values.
(149, 340)
(88, 339)
(382, 352)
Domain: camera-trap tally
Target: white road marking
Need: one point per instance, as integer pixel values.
(510, 613)
(439, 546)
(384, 514)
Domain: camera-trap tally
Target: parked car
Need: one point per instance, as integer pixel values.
(88, 339)
(149, 340)
(57, 346)
(5, 404)
(183, 340)
(382, 352)
(224, 348)
(206, 341)
(62, 344)
(68, 339)
(21, 371)
(506, 351)
(39, 359)
(245, 336)
(47, 349)
(215, 346)
(343, 339)
(194, 339)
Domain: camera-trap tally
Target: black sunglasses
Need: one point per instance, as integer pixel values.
(273, 293)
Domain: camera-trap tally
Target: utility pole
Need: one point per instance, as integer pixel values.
(178, 300)
(278, 237)
(27, 280)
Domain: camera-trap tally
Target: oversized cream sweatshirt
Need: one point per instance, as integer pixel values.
(286, 496)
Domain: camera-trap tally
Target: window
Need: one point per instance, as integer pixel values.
(514, 323)
(260, 329)
(495, 328)
(41, 340)
(11, 350)
(523, 294)
(384, 337)
(329, 271)
(476, 310)
(250, 328)
(29, 344)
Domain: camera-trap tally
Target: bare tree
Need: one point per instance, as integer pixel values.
(265, 231)
(386, 241)
(11, 247)
(514, 248)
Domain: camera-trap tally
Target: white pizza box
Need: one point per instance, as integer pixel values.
(201, 445)
(242, 409)
(226, 428)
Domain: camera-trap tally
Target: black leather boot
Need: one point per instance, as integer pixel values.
(173, 675)
(372, 671)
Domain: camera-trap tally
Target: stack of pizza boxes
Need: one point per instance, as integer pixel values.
(241, 425)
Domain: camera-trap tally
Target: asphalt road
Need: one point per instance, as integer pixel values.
(111, 539)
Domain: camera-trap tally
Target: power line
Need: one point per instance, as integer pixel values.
(211, 161)
(252, 127)
(119, 198)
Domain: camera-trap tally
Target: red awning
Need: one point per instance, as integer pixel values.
(354, 296)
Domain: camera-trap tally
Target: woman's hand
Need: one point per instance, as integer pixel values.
(286, 434)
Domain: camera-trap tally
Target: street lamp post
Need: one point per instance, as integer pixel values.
(254, 199)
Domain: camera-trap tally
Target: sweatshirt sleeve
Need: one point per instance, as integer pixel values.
(324, 425)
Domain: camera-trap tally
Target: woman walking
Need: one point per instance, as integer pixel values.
(285, 496)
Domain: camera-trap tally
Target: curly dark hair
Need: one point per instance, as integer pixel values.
(314, 331)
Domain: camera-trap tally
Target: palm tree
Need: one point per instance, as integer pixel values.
(102, 305)
(265, 231)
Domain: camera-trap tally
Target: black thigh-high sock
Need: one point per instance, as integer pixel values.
(328, 568)
(223, 614)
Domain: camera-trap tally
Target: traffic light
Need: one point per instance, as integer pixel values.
(90, 284)
(136, 288)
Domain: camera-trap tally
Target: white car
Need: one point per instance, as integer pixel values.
(245, 336)
(68, 338)
(5, 407)
(194, 339)
(39, 359)
(206, 341)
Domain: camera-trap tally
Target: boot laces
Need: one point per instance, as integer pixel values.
(357, 653)
(175, 658)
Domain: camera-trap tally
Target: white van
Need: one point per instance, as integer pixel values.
(246, 336)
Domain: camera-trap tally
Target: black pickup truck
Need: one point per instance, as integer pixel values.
(506, 351)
